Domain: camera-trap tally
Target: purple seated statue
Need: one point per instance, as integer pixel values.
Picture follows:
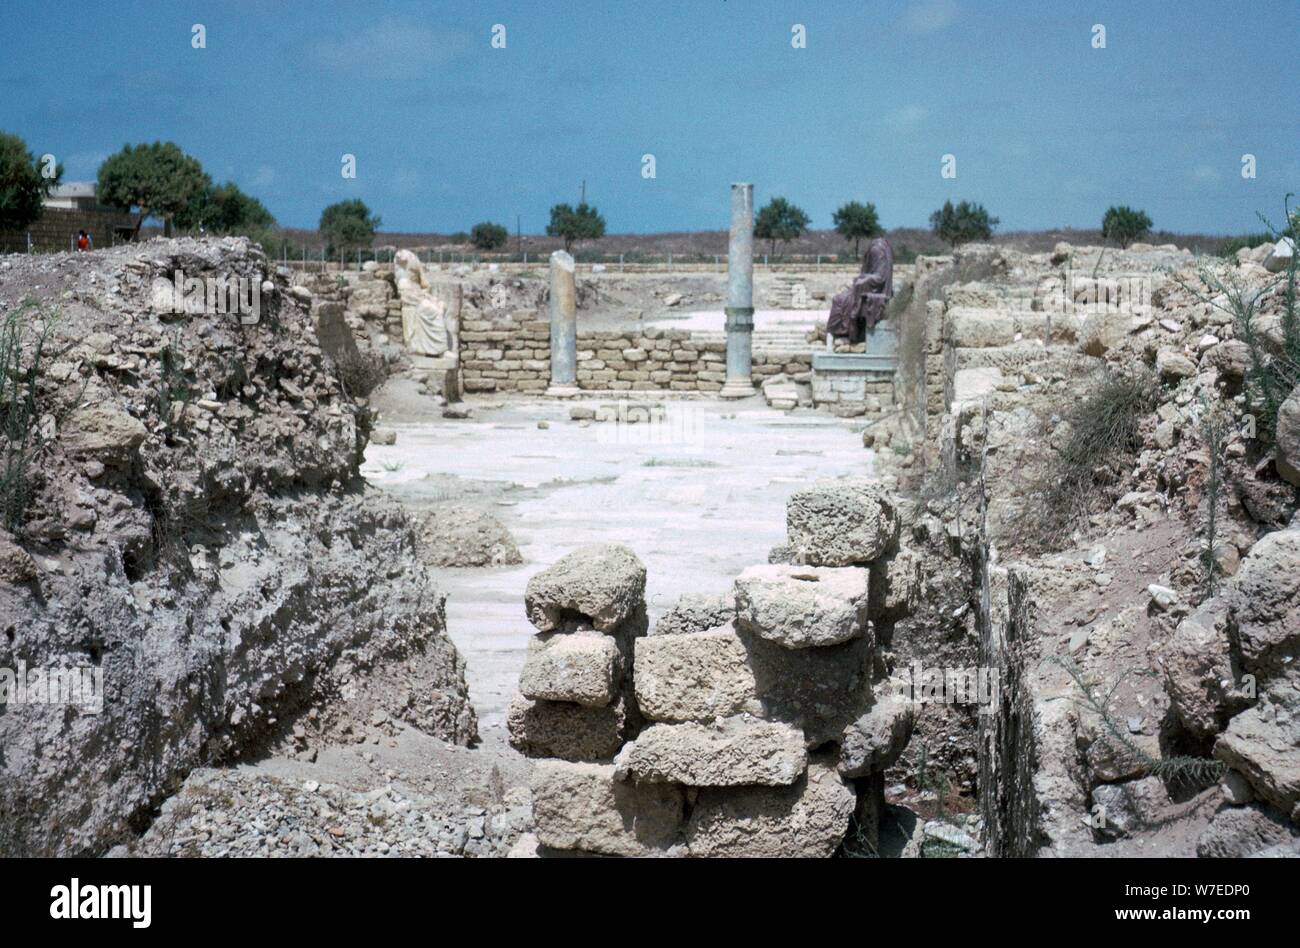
(856, 310)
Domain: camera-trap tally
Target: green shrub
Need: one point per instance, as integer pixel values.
(1124, 225)
(488, 236)
(962, 223)
(360, 374)
(1101, 436)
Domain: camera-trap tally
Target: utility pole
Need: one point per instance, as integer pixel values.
(584, 192)
(519, 236)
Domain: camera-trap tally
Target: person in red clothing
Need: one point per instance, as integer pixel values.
(83, 241)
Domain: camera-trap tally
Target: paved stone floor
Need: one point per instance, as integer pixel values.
(697, 497)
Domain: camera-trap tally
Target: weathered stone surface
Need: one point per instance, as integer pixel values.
(460, 535)
(564, 730)
(604, 583)
(1199, 674)
(1288, 438)
(584, 807)
(895, 585)
(1121, 809)
(808, 819)
(1172, 366)
(732, 752)
(16, 565)
(577, 667)
(1265, 602)
(694, 677)
(696, 613)
(875, 740)
(842, 522)
(99, 430)
(803, 606)
(818, 690)
(1238, 831)
(1263, 743)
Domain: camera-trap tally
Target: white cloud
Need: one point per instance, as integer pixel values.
(927, 16)
(907, 117)
(390, 49)
(1204, 174)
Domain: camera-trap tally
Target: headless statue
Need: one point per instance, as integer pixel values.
(856, 310)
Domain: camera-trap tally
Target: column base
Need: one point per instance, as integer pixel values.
(563, 391)
(737, 388)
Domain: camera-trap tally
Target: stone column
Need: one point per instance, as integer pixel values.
(564, 327)
(740, 295)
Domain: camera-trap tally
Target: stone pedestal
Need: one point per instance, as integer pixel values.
(740, 295)
(858, 383)
(564, 327)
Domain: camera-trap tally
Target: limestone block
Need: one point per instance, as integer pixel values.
(564, 730)
(842, 522)
(582, 668)
(803, 606)
(694, 677)
(808, 819)
(581, 806)
(875, 740)
(731, 752)
(603, 583)
(1265, 602)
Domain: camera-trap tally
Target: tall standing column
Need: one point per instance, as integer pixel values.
(740, 295)
(564, 327)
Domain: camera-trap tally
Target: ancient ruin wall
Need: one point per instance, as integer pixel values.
(199, 534)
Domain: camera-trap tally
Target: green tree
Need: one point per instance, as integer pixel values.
(780, 220)
(348, 225)
(854, 221)
(575, 223)
(22, 186)
(488, 236)
(962, 223)
(159, 179)
(225, 209)
(1124, 225)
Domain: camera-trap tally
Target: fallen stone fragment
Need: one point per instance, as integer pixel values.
(874, 741)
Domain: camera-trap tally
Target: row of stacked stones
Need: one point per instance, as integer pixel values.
(501, 353)
(747, 725)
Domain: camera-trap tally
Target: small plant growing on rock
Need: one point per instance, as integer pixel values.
(1191, 771)
(1101, 430)
(1274, 370)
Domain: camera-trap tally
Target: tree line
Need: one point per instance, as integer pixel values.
(160, 180)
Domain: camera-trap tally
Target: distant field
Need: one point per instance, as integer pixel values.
(907, 243)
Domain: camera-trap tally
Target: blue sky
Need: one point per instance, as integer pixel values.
(447, 131)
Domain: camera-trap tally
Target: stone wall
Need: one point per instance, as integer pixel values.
(55, 229)
(751, 724)
(512, 353)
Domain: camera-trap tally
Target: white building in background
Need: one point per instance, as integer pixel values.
(73, 195)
